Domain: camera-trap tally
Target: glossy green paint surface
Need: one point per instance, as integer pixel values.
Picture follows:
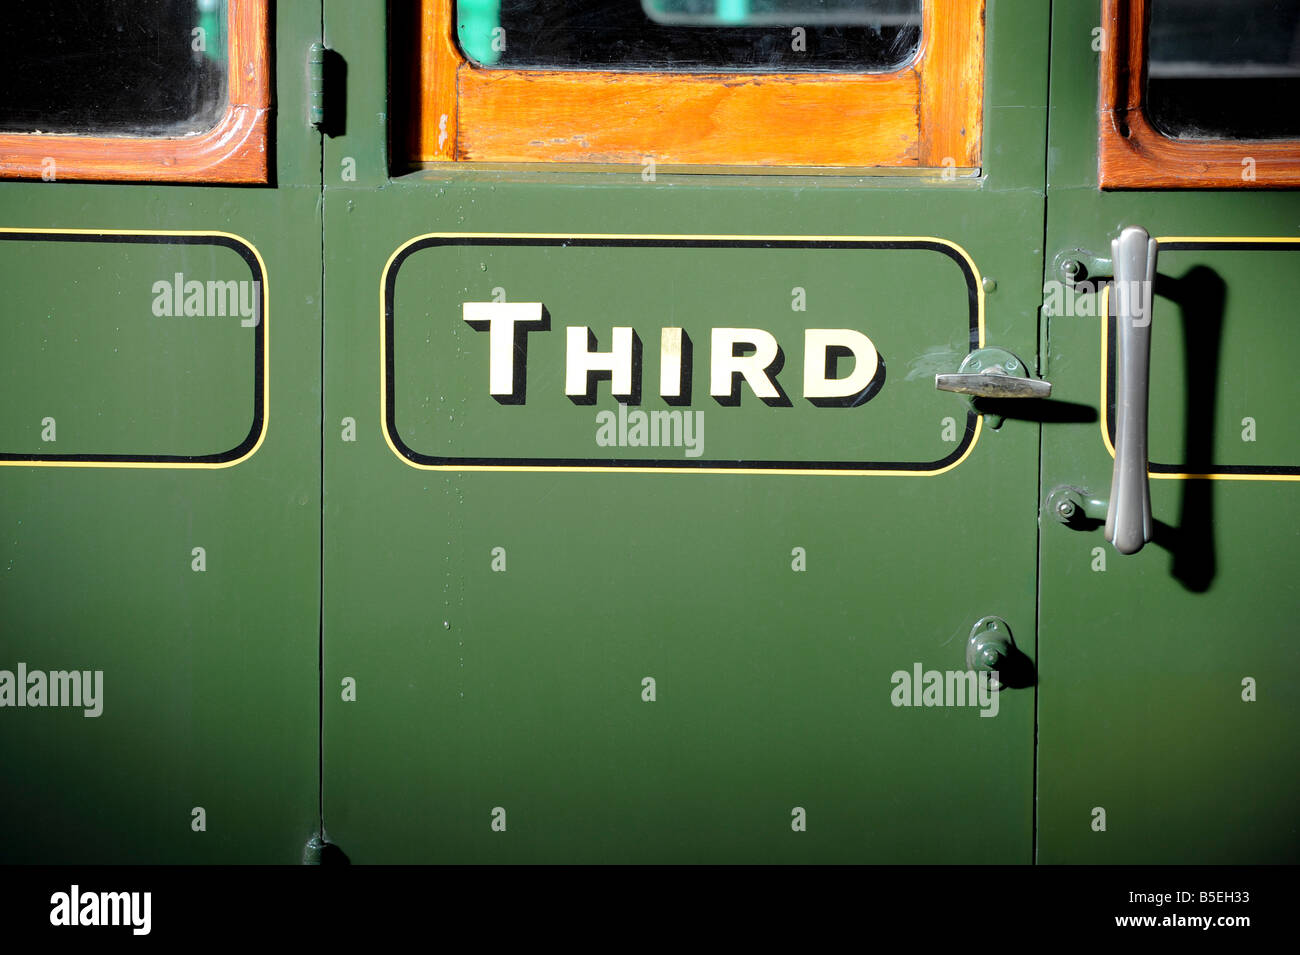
(210, 682)
(442, 407)
(522, 690)
(1141, 708)
(118, 377)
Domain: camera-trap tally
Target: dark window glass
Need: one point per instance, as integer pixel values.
(1220, 70)
(691, 35)
(112, 67)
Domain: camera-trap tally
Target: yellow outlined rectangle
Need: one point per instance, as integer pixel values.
(1104, 417)
(975, 421)
(262, 383)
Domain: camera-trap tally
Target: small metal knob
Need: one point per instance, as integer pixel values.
(990, 645)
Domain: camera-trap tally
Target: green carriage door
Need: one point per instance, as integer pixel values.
(648, 536)
(1169, 676)
(159, 450)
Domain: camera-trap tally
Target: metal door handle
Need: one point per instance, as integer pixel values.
(994, 386)
(1128, 517)
(993, 373)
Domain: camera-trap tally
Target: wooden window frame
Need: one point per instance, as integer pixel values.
(232, 151)
(926, 114)
(1133, 154)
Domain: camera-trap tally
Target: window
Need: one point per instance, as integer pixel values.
(1220, 72)
(690, 35)
(691, 83)
(156, 90)
(1198, 93)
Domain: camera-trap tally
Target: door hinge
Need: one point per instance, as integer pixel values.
(320, 851)
(316, 57)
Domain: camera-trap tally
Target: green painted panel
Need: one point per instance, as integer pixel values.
(1143, 711)
(210, 686)
(919, 299)
(488, 633)
(130, 356)
(1221, 303)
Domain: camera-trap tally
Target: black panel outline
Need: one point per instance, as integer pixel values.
(388, 388)
(1262, 470)
(258, 427)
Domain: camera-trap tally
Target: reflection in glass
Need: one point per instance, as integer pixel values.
(691, 35)
(1220, 70)
(112, 67)
(780, 12)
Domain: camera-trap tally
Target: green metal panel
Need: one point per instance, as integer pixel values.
(453, 691)
(209, 679)
(1143, 710)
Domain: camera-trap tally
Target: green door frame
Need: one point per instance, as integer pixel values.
(411, 603)
(194, 590)
(1152, 746)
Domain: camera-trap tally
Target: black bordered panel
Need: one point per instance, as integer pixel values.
(388, 285)
(1227, 470)
(257, 429)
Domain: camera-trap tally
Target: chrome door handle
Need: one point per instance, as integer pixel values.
(1128, 517)
(994, 386)
(993, 373)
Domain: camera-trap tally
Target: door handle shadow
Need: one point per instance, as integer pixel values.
(1201, 295)
(1041, 410)
(1016, 671)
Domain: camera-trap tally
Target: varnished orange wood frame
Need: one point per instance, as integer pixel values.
(1133, 154)
(234, 150)
(926, 114)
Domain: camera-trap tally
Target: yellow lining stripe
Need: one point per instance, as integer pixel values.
(383, 354)
(266, 357)
(1105, 345)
